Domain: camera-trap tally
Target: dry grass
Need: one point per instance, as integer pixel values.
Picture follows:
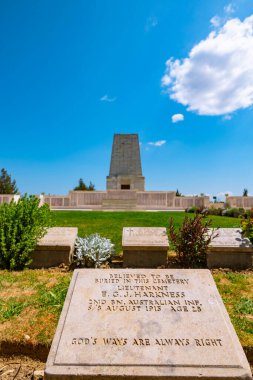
(236, 290)
(30, 305)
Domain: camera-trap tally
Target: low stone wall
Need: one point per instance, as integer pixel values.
(187, 202)
(244, 202)
(125, 199)
(7, 198)
(57, 201)
(83, 199)
(117, 199)
(152, 199)
(216, 205)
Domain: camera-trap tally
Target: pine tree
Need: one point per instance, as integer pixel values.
(83, 187)
(7, 186)
(91, 187)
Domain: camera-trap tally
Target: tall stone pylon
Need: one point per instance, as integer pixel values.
(125, 168)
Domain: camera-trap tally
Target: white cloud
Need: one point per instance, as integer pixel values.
(223, 194)
(215, 21)
(177, 117)
(151, 23)
(107, 98)
(217, 76)
(157, 143)
(229, 8)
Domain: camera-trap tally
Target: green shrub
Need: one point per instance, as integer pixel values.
(193, 210)
(249, 213)
(197, 210)
(247, 228)
(191, 241)
(234, 212)
(21, 225)
(215, 211)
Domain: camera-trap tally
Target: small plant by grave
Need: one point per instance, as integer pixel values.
(22, 224)
(247, 228)
(93, 250)
(191, 241)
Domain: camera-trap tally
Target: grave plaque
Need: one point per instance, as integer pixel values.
(145, 324)
(144, 247)
(55, 248)
(229, 249)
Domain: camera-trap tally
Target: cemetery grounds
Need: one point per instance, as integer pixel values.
(31, 300)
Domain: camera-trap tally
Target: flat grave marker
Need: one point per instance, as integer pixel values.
(145, 324)
(230, 250)
(144, 247)
(55, 248)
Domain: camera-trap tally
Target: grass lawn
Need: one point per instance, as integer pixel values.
(236, 290)
(110, 224)
(30, 304)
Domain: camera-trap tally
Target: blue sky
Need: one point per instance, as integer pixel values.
(73, 73)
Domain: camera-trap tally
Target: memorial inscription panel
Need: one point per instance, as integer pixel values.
(230, 249)
(145, 323)
(144, 247)
(143, 237)
(230, 238)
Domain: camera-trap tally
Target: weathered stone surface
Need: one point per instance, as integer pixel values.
(230, 250)
(145, 324)
(55, 248)
(144, 247)
(125, 167)
(241, 201)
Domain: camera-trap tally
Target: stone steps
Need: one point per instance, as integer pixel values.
(119, 204)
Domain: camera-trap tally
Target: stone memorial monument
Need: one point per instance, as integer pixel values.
(145, 324)
(230, 250)
(125, 168)
(144, 247)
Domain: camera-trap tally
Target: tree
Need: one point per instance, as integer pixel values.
(245, 193)
(83, 187)
(7, 186)
(91, 187)
(178, 194)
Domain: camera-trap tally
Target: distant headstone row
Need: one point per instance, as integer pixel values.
(146, 247)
